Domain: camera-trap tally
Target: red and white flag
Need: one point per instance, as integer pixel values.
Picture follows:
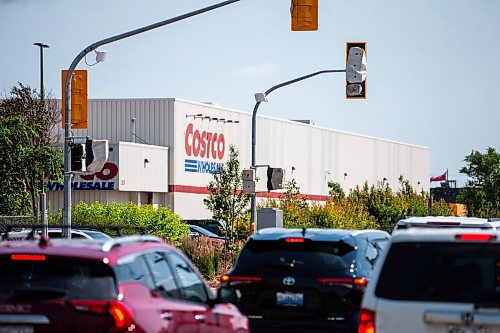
(441, 178)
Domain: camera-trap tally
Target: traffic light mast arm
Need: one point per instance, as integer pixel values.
(270, 90)
(67, 111)
(253, 203)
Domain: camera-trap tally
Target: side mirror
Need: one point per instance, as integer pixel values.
(228, 295)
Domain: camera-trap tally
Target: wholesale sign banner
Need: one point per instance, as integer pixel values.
(205, 150)
(101, 181)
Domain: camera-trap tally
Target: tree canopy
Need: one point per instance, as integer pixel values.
(28, 147)
(226, 201)
(481, 193)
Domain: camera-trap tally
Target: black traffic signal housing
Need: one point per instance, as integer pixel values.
(89, 157)
(355, 84)
(78, 157)
(275, 178)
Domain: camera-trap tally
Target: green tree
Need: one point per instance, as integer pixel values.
(481, 193)
(35, 156)
(335, 191)
(294, 206)
(226, 200)
(14, 139)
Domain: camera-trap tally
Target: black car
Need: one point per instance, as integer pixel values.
(304, 280)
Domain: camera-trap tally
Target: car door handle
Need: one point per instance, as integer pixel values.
(200, 318)
(167, 316)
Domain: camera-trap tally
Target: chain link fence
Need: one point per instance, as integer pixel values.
(8, 222)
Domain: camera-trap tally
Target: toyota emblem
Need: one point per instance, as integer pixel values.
(288, 281)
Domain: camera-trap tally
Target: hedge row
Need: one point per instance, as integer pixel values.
(161, 222)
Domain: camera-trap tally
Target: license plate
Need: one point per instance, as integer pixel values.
(290, 299)
(16, 329)
(469, 330)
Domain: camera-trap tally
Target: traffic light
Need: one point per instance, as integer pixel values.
(89, 157)
(356, 70)
(78, 157)
(96, 155)
(248, 181)
(304, 15)
(275, 178)
(78, 98)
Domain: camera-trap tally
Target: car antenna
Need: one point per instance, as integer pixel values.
(304, 232)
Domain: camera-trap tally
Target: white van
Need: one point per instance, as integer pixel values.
(444, 280)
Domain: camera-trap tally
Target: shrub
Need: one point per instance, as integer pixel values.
(211, 259)
(161, 222)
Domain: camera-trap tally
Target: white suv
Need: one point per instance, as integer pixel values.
(447, 222)
(443, 280)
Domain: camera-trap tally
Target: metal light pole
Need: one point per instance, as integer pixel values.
(254, 127)
(67, 129)
(43, 199)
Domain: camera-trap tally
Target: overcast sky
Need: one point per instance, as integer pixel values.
(432, 64)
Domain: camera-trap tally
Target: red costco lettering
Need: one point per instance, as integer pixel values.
(109, 171)
(204, 144)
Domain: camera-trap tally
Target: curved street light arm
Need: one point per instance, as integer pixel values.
(254, 126)
(67, 111)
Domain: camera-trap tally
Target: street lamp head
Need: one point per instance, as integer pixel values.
(41, 45)
(260, 97)
(100, 55)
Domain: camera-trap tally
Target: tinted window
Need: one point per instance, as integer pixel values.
(194, 228)
(308, 258)
(192, 286)
(371, 252)
(441, 272)
(56, 277)
(164, 282)
(133, 269)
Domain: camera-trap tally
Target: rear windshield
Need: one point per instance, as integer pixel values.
(308, 258)
(441, 272)
(56, 277)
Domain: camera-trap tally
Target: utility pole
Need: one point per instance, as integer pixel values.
(67, 112)
(259, 97)
(43, 198)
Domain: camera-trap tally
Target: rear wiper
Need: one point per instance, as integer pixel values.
(37, 293)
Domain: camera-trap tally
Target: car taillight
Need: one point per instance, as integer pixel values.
(28, 257)
(366, 321)
(120, 313)
(359, 281)
(294, 240)
(235, 279)
(475, 237)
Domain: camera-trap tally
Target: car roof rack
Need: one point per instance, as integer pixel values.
(119, 241)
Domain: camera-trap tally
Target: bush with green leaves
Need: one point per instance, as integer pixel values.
(161, 222)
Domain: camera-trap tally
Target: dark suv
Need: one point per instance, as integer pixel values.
(126, 284)
(304, 279)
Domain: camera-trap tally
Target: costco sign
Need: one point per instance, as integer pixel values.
(204, 149)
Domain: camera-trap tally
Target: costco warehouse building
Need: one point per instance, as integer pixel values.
(179, 143)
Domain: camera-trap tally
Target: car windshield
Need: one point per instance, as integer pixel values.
(61, 277)
(441, 272)
(205, 232)
(96, 234)
(312, 258)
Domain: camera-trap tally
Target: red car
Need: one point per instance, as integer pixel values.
(128, 284)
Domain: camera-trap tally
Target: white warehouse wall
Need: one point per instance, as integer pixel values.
(317, 155)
